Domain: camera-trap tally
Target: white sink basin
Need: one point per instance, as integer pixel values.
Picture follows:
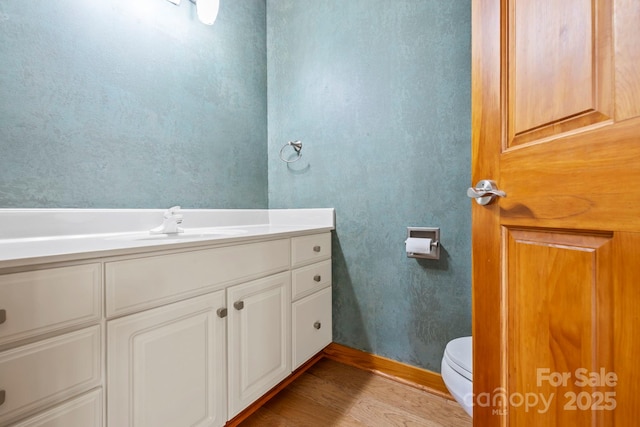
(187, 234)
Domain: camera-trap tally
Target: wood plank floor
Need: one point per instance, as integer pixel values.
(334, 394)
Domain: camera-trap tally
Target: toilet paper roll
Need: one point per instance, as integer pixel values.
(418, 245)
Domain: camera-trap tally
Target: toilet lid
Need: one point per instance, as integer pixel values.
(459, 356)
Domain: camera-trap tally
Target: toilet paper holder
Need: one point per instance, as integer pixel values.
(432, 233)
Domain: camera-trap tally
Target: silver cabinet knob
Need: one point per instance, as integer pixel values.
(317, 325)
(222, 312)
(317, 278)
(317, 249)
(485, 192)
(238, 305)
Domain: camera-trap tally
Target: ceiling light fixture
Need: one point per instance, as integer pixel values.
(207, 9)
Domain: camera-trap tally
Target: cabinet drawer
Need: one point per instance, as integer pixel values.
(40, 374)
(137, 284)
(312, 326)
(307, 280)
(41, 301)
(308, 249)
(83, 411)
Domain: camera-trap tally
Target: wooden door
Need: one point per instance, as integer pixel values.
(556, 264)
(259, 338)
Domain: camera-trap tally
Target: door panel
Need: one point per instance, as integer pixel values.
(559, 72)
(559, 317)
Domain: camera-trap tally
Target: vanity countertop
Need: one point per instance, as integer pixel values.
(35, 236)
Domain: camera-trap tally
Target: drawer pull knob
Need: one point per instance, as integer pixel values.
(238, 305)
(222, 313)
(317, 325)
(317, 278)
(2, 396)
(317, 249)
(3, 316)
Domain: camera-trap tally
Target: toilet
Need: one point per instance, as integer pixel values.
(457, 365)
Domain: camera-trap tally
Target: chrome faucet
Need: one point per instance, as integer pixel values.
(172, 218)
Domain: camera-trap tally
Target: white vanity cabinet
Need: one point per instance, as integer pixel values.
(190, 336)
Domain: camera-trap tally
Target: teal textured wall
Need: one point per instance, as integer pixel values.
(132, 104)
(379, 93)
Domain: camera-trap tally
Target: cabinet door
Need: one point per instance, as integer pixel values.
(259, 338)
(166, 366)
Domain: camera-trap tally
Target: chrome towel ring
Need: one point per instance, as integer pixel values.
(297, 146)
